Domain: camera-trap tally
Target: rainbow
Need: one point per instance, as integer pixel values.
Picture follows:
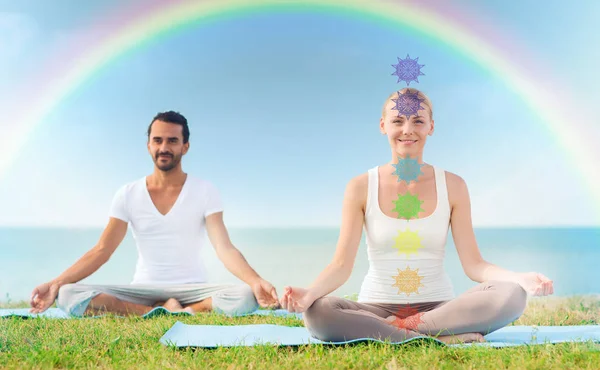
(160, 17)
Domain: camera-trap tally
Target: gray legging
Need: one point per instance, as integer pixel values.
(482, 309)
(229, 299)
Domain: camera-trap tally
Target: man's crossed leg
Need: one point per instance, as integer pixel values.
(133, 299)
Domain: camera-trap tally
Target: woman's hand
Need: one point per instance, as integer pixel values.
(296, 299)
(535, 283)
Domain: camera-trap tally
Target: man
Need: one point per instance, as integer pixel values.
(170, 212)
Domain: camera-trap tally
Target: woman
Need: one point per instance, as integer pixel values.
(407, 207)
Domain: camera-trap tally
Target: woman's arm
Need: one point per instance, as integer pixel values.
(340, 268)
(475, 267)
(473, 264)
(338, 271)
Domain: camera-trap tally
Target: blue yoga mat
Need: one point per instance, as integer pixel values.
(210, 336)
(56, 313)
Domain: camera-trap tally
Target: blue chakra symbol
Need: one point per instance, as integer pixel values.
(408, 103)
(407, 169)
(408, 70)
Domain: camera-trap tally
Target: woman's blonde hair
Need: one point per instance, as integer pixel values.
(426, 103)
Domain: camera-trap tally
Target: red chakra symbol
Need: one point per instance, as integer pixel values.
(408, 318)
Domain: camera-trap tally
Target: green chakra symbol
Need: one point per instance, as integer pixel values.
(408, 206)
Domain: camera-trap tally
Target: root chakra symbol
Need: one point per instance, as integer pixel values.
(407, 318)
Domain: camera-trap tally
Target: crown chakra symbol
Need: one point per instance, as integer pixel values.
(408, 70)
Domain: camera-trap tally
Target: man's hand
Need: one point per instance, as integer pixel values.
(43, 296)
(265, 294)
(535, 283)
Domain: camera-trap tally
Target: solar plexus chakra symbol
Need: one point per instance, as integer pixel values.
(408, 70)
(407, 242)
(408, 281)
(407, 169)
(407, 206)
(408, 103)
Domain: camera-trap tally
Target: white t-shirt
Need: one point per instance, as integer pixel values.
(169, 246)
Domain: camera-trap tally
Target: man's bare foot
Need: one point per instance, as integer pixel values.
(462, 338)
(189, 310)
(173, 305)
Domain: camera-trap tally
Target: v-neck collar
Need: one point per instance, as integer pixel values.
(177, 201)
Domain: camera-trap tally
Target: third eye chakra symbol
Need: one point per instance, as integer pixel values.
(408, 103)
(408, 70)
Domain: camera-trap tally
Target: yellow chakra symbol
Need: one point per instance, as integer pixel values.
(408, 242)
(408, 281)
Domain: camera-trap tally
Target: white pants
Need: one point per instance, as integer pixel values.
(228, 299)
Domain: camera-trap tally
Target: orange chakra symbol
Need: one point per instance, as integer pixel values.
(408, 318)
(408, 281)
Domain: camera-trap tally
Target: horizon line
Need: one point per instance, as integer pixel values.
(299, 227)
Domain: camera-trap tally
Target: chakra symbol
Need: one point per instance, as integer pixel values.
(408, 70)
(408, 281)
(407, 169)
(408, 206)
(408, 103)
(407, 318)
(408, 242)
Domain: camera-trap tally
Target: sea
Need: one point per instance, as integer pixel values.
(569, 256)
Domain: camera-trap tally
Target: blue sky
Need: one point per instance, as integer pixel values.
(283, 114)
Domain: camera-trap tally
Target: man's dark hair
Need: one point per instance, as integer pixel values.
(175, 118)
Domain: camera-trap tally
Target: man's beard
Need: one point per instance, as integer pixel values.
(170, 164)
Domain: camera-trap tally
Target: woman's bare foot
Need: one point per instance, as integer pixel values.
(462, 338)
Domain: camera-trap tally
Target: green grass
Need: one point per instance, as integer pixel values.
(129, 343)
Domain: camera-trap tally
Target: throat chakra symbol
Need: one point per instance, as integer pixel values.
(408, 242)
(407, 318)
(408, 103)
(408, 281)
(407, 169)
(408, 206)
(408, 70)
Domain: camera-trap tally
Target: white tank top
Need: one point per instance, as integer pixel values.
(406, 257)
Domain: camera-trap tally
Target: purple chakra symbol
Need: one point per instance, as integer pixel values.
(408, 70)
(408, 103)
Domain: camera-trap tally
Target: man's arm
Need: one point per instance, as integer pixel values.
(231, 257)
(43, 296)
(111, 238)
